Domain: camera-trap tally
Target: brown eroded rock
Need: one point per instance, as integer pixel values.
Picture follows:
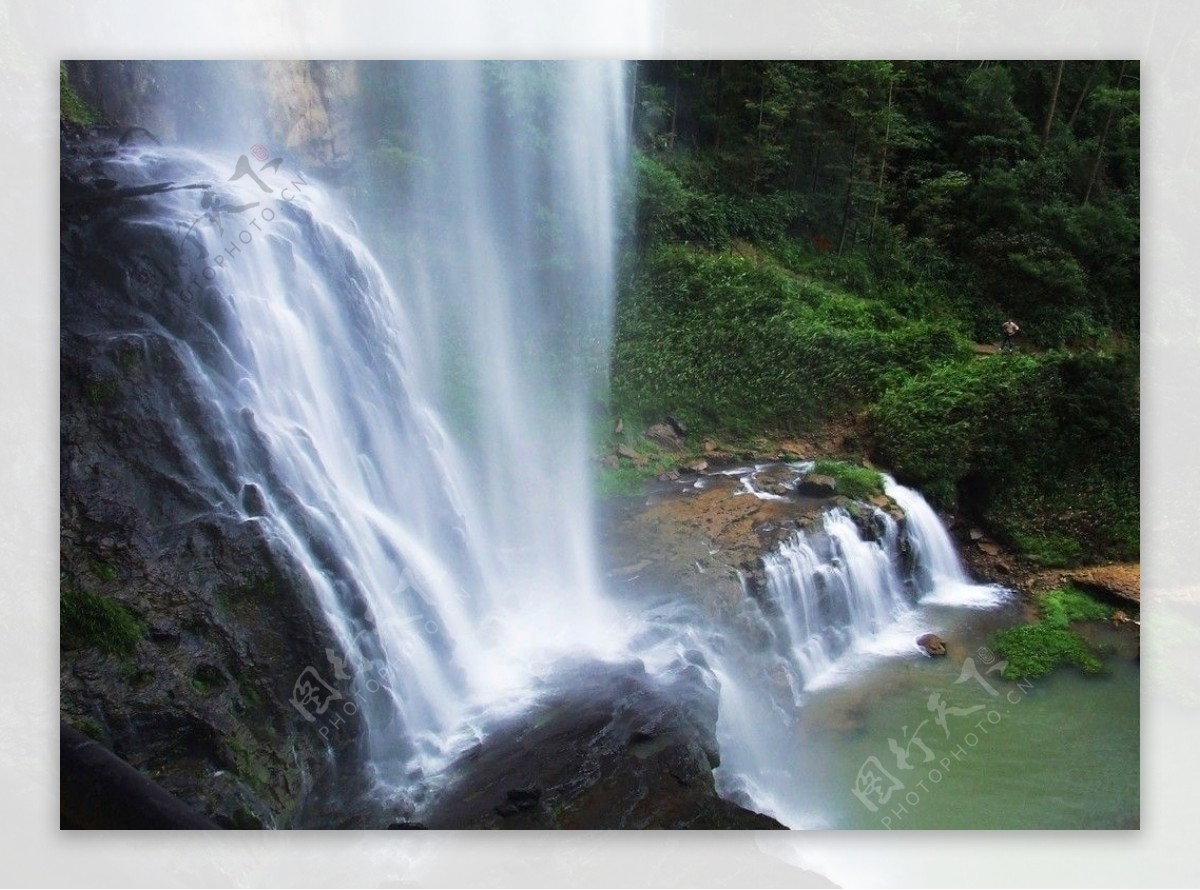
(1118, 584)
(932, 645)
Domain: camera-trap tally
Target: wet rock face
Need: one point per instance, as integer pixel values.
(185, 624)
(606, 747)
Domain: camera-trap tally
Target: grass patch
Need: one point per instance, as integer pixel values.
(1066, 604)
(852, 480)
(90, 621)
(1049, 549)
(1035, 650)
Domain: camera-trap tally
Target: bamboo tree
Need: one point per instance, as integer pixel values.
(887, 132)
(1053, 103)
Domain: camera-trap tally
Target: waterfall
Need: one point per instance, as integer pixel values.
(417, 441)
(837, 591)
(834, 590)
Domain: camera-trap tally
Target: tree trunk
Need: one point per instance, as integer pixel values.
(758, 135)
(849, 193)
(1087, 88)
(1053, 103)
(887, 133)
(1100, 147)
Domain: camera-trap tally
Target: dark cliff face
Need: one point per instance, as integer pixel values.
(184, 624)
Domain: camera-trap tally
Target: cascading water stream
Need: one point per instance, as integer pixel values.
(835, 590)
(421, 450)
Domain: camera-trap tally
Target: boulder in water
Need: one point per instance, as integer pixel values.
(932, 645)
(817, 486)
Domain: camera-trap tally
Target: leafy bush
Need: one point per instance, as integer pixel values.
(1042, 449)
(672, 205)
(733, 343)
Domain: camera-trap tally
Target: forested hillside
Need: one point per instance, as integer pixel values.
(817, 240)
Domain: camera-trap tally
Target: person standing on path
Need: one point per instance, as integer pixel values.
(1009, 330)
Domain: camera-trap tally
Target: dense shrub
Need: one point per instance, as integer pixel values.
(730, 342)
(1044, 449)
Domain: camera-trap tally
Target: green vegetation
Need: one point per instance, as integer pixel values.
(1044, 449)
(90, 621)
(1034, 650)
(1066, 604)
(819, 240)
(90, 727)
(105, 571)
(739, 344)
(853, 481)
(208, 680)
(100, 392)
(73, 109)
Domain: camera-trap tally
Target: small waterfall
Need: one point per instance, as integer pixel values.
(837, 601)
(838, 592)
(934, 555)
(835, 589)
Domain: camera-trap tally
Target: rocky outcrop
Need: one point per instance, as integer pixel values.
(607, 746)
(184, 624)
(1119, 585)
(704, 534)
(815, 485)
(665, 436)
